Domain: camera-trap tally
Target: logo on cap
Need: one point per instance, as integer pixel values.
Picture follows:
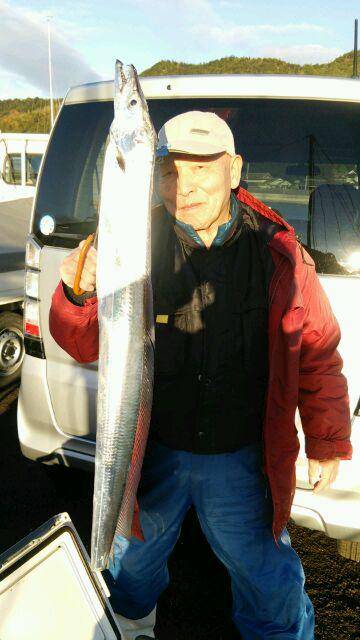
(201, 131)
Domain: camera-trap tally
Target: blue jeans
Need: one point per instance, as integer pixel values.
(229, 493)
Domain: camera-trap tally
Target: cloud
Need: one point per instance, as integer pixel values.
(229, 4)
(23, 52)
(204, 26)
(12, 85)
(240, 34)
(302, 54)
(187, 13)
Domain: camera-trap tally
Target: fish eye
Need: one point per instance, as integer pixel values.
(133, 102)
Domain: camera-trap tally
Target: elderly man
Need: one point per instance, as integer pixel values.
(244, 335)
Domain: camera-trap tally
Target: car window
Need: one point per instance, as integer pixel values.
(301, 158)
(12, 168)
(32, 163)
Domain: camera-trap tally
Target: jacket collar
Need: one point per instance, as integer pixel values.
(282, 237)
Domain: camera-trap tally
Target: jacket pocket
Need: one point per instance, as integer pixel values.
(170, 342)
(250, 336)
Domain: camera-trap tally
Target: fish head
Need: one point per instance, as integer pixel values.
(132, 125)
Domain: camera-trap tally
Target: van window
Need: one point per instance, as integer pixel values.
(32, 161)
(71, 179)
(12, 168)
(301, 158)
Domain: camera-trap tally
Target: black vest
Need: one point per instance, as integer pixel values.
(211, 348)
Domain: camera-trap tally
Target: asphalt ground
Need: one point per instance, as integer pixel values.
(14, 225)
(197, 604)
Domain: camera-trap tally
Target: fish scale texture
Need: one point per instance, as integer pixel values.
(119, 403)
(124, 523)
(125, 314)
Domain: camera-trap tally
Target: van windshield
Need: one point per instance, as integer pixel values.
(301, 158)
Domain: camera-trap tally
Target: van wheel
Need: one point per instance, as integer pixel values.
(349, 549)
(11, 347)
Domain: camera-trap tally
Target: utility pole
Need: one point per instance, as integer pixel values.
(311, 173)
(355, 73)
(50, 74)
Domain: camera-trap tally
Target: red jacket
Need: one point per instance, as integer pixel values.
(304, 365)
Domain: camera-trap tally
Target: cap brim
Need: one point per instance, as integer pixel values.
(191, 148)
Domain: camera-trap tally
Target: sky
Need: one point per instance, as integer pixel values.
(87, 37)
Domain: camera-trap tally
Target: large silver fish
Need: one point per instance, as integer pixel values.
(123, 282)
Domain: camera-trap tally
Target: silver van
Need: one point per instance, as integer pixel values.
(300, 140)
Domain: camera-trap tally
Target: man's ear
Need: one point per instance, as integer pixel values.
(235, 171)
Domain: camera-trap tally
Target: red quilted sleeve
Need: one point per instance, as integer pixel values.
(323, 395)
(74, 328)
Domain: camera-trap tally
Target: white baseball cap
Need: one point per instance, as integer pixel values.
(195, 132)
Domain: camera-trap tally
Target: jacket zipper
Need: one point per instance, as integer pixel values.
(282, 270)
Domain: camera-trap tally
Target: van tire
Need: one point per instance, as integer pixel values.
(349, 549)
(12, 348)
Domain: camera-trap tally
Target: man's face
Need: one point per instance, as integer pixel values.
(196, 189)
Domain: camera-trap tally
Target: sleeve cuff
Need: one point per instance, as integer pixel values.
(70, 307)
(328, 449)
(80, 300)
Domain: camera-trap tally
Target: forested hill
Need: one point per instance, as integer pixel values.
(32, 115)
(341, 66)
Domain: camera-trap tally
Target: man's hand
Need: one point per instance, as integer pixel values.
(322, 473)
(69, 265)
